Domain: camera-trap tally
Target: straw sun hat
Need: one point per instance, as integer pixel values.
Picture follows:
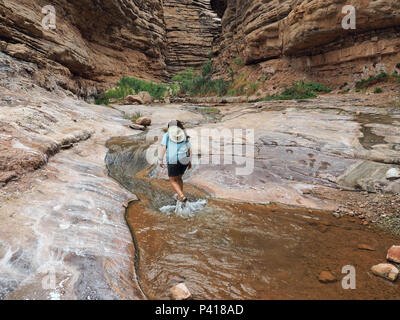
(176, 134)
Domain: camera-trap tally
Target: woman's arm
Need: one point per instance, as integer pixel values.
(161, 156)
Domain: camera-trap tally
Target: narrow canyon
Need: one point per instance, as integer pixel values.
(311, 107)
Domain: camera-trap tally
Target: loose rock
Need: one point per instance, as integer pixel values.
(180, 292)
(393, 174)
(394, 254)
(133, 99)
(386, 271)
(326, 277)
(143, 121)
(367, 247)
(146, 97)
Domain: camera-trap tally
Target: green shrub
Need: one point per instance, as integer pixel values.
(345, 91)
(378, 90)
(365, 83)
(127, 86)
(191, 83)
(300, 90)
(238, 61)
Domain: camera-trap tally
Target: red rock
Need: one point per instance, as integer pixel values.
(386, 270)
(133, 99)
(180, 292)
(367, 247)
(143, 121)
(326, 277)
(394, 254)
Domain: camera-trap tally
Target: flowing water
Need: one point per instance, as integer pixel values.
(230, 250)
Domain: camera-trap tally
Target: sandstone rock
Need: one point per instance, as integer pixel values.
(326, 277)
(363, 246)
(95, 43)
(133, 99)
(137, 127)
(386, 270)
(191, 27)
(296, 37)
(180, 292)
(146, 97)
(144, 121)
(393, 174)
(394, 254)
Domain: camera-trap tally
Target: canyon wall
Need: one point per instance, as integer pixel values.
(94, 43)
(191, 28)
(305, 38)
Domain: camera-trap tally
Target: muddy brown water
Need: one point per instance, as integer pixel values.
(234, 250)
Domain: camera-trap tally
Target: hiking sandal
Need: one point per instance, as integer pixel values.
(183, 199)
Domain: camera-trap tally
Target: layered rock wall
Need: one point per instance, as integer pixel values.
(95, 42)
(307, 37)
(191, 28)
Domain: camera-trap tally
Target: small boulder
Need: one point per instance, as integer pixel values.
(394, 254)
(386, 271)
(326, 277)
(180, 292)
(393, 174)
(133, 99)
(143, 121)
(137, 127)
(146, 97)
(363, 246)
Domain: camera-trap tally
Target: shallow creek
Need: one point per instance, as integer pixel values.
(231, 250)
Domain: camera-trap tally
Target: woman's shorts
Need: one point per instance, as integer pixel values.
(175, 170)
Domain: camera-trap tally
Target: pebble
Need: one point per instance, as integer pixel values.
(326, 277)
(180, 292)
(367, 247)
(386, 271)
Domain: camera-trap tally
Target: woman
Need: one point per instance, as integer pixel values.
(178, 148)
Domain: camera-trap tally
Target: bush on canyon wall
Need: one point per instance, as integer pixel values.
(127, 86)
(194, 83)
(301, 90)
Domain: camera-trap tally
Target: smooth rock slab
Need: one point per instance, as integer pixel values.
(394, 254)
(393, 174)
(386, 271)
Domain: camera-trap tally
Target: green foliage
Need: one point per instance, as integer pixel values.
(194, 84)
(300, 90)
(136, 116)
(378, 90)
(238, 61)
(345, 91)
(207, 69)
(127, 86)
(156, 90)
(365, 83)
(209, 110)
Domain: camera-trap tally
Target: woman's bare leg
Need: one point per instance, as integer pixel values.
(181, 182)
(176, 185)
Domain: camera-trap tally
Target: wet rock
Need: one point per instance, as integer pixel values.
(326, 277)
(363, 246)
(137, 127)
(146, 97)
(133, 99)
(394, 254)
(393, 174)
(143, 121)
(180, 292)
(386, 271)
